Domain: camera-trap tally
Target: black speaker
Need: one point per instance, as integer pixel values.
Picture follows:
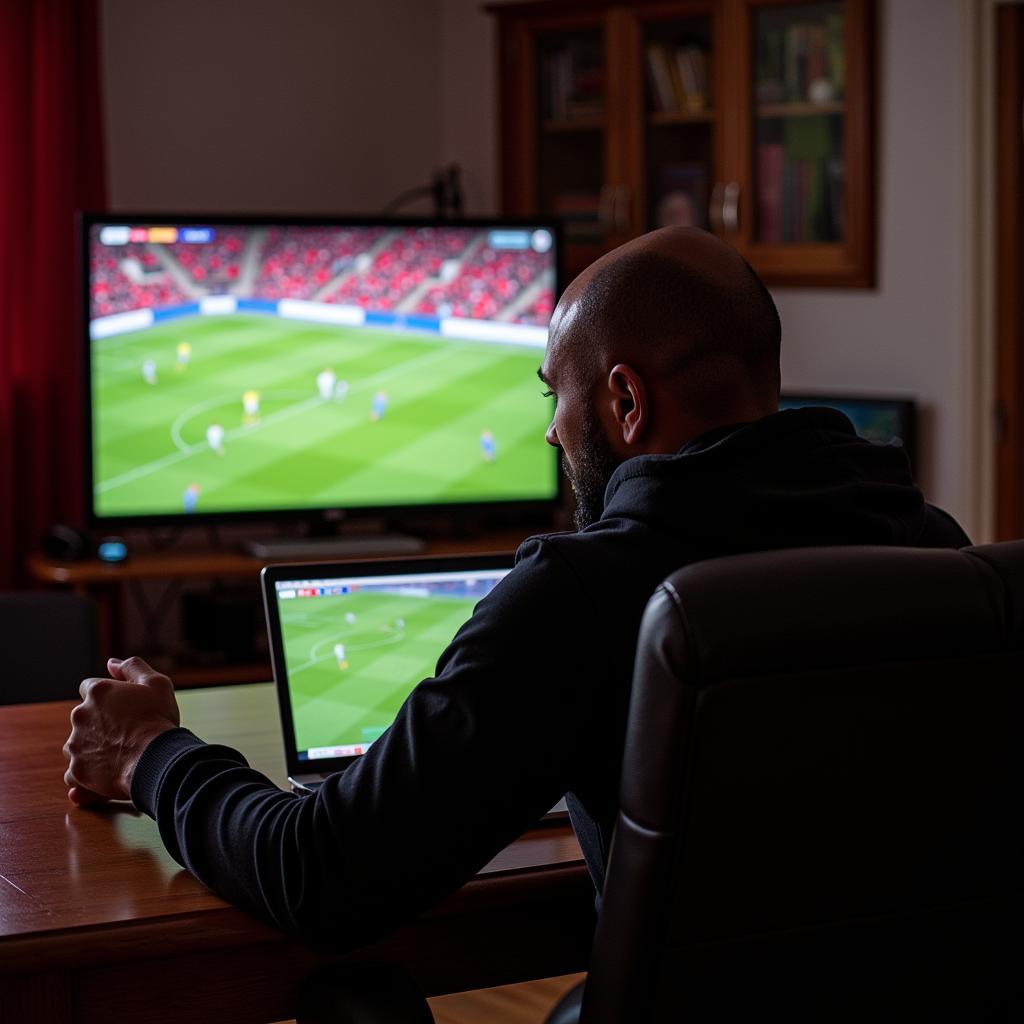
(65, 543)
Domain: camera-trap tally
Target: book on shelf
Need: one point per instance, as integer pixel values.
(799, 194)
(572, 84)
(693, 72)
(678, 78)
(801, 63)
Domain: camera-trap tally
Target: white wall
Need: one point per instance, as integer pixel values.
(328, 105)
(265, 105)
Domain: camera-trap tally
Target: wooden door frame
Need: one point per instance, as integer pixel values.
(1009, 298)
(986, 504)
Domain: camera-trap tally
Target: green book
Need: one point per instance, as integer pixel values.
(836, 52)
(807, 138)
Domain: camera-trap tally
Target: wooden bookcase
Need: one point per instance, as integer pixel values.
(753, 118)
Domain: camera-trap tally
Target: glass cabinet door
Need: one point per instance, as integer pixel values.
(799, 103)
(678, 119)
(570, 94)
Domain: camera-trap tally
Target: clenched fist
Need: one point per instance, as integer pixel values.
(112, 727)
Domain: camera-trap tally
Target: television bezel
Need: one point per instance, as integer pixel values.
(393, 514)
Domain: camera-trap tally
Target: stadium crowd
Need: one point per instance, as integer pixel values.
(214, 266)
(461, 274)
(296, 263)
(133, 279)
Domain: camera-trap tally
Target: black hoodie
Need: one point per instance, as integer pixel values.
(529, 700)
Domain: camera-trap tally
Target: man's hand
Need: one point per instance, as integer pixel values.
(112, 726)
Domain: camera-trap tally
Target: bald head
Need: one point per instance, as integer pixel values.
(688, 313)
(661, 340)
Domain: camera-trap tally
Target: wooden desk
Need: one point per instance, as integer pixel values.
(99, 924)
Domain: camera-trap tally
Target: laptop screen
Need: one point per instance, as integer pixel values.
(351, 646)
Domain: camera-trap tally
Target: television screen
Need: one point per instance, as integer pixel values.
(879, 420)
(264, 366)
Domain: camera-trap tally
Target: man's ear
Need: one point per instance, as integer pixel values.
(629, 402)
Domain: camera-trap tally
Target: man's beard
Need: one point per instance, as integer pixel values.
(595, 463)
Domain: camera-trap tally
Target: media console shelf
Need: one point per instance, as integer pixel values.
(107, 583)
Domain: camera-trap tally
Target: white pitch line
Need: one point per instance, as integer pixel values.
(184, 453)
(182, 445)
(366, 384)
(315, 659)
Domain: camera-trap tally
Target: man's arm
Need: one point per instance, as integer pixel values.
(476, 755)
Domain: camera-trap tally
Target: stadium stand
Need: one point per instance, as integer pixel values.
(407, 260)
(488, 282)
(539, 312)
(132, 280)
(213, 266)
(297, 264)
(414, 270)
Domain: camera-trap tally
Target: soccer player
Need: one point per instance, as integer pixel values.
(215, 437)
(488, 449)
(341, 391)
(149, 371)
(350, 618)
(190, 498)
(184, 355)
(251, 405)
(339, 654)
(325, 381)
(379, 406)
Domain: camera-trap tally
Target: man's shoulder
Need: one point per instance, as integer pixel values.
(570, 547)
(614, 560)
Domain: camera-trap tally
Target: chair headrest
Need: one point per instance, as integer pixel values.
(784, 610)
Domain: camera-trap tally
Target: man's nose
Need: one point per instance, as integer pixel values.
(551, 436)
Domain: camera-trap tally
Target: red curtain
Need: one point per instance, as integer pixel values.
(51, 165)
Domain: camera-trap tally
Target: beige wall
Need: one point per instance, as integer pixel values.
(296, 105)
(319, 105)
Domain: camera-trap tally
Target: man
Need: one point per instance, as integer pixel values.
(379, 406)
(663, 358)
(215, 437)
(325, 381)
(184, 354)
(250, 407)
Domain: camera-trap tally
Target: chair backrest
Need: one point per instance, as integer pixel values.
(48, 644)
(822, 787)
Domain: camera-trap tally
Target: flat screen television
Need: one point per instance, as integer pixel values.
(260, 367)
(879, 419)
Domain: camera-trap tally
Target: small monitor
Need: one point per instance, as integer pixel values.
(881, 420)
(264, 366)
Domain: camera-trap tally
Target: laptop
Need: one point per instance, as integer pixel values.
(350, 640)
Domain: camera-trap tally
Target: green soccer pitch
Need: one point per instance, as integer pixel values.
(392, 644)
(150, 440)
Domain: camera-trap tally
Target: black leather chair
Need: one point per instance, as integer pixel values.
(822, 806)
(48, 643)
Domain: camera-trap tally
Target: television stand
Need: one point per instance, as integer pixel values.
(322, 549)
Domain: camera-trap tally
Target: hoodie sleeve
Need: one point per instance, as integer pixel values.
(476, 755)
